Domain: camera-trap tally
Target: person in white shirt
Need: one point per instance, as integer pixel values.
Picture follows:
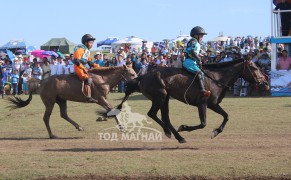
(53, 66)
(66, 67)
(60, 65)
(120, 60)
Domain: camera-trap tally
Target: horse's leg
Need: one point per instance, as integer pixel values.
(63, 110)
(46, 118)
(217, 108)
(166, 120)
(153, 114)
(202, 116)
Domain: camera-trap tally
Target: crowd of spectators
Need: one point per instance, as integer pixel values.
(257, 49)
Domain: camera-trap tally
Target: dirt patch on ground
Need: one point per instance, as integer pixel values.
(96, 177)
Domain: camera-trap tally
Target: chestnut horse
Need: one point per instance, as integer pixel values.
(60, 88)
(161, 83)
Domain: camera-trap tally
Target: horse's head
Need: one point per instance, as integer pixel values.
(252, 74)
(128, 73)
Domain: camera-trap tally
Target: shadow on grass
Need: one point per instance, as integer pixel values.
(118, 149)
(134, 97)
(33, 138)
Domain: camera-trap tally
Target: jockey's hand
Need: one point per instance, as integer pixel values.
(85, 70)
(200, 65)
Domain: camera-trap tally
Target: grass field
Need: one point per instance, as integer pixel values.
(256, 143)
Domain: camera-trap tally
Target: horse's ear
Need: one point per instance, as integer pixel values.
(124, 66)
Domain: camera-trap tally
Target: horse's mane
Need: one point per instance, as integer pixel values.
(222, 64)
(104, 69)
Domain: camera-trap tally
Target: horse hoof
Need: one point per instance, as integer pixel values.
(182, 141)
(101, 119)
(214, 134)
(168, 135)
(80, 129)
(54, 137)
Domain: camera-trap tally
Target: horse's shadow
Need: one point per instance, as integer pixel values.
(119, 149)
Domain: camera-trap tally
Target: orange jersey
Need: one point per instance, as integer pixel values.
(79, 53)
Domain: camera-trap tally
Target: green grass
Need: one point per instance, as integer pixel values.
(256, 142)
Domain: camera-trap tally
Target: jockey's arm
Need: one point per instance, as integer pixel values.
(195, 56)
(92, 64)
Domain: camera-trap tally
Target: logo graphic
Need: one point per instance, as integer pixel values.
(134, 128)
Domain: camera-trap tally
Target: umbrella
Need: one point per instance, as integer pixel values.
(60, 54)
(50, 53)
(38, 53)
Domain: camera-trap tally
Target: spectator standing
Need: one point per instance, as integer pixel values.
(26, 76)
(60, 65)
(66, 67)
(105, 60)
(98, 59)
(46, 69)
(37, 71)
(144, 68)
(137, 65)
(120, 62)
(53, 66)
(71, 64)
(15, 80)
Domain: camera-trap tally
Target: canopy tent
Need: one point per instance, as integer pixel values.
(108, 41)
(180, 39)
(132, 41)
(219, 38)
(18, 46)
(59, 44)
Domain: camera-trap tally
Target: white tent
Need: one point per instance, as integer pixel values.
(133, 41)
(179, 38)
(219, 38)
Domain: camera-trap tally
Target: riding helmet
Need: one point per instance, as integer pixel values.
(87, 37)
(197, 31)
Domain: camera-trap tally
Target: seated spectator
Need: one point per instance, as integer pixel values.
(284, 62)
(264, 62)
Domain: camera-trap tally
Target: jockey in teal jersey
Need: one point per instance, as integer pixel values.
(192, 61)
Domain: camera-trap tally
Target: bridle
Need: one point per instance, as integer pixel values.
(259, 80)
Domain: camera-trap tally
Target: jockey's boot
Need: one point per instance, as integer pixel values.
(204, 92)
(87, 92)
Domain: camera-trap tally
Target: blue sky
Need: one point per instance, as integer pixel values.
(154, 20)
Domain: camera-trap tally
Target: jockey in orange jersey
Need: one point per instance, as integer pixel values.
(81, 58)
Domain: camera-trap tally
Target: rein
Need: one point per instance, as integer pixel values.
(214, 80)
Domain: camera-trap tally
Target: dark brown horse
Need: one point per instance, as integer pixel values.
(160, 84)
(60, 88)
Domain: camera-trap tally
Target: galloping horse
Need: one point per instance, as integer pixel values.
(60, 88)
(160, 84)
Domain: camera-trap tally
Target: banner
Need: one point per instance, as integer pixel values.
(281, 83)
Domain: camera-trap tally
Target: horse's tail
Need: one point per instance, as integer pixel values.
(17, 102)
